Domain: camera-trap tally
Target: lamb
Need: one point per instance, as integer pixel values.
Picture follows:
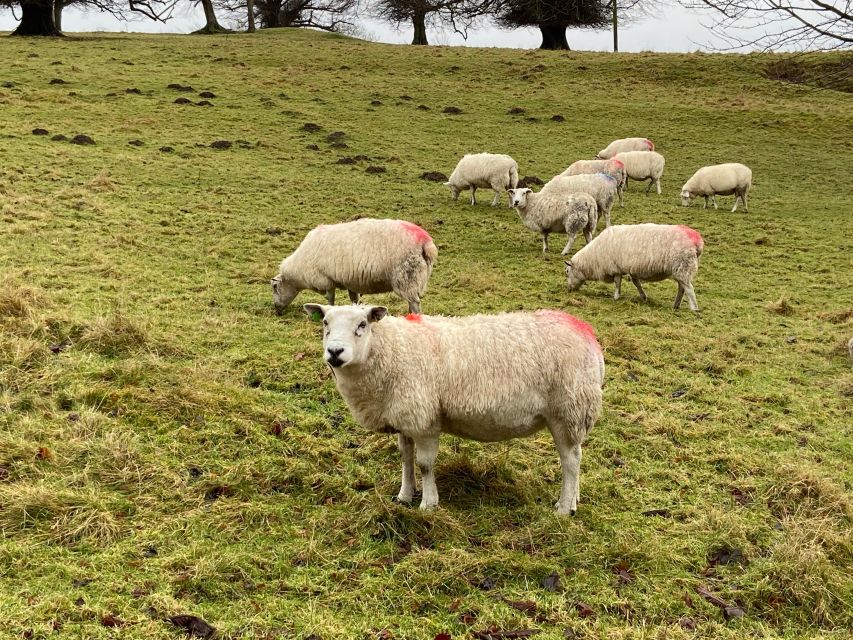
(556, 212)
(601, 186)
(724, 179)
(642, 165)
(649, 252)
(625, 144)
(364, 256)
(484, 377)
(498, 171)
(611, 167)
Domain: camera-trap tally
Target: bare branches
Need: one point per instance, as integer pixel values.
(782, 24)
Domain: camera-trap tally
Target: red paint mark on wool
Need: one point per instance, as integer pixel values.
(617, 163)
(420, 236)
(575, 323)
(694, 236)
(414, 317)
(650, 144)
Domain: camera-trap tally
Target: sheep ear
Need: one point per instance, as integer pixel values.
(375, 314)
(315, 311)
(569, 264)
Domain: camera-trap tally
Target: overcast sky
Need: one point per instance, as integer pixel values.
(680, 30)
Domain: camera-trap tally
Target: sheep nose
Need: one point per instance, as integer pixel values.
(334, 352)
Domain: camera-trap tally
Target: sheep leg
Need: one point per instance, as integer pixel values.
(657, 182)
(497, 197)
(606, 217)
(473, 195)
(738, 195)
(714, 200)
(705, 206)
(568, 248)
(621, 191)
(330, 296)
(570, 464)
(678, 296)
(651, 182)
(544, 243)
(636, 282)
(743, 198)
(618, 281)
(426, 448)
(407, 452)
(587, 233)
(691, 296)
(353, 296)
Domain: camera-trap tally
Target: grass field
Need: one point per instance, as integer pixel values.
(169, 446)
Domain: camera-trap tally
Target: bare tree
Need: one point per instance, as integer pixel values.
(782, 24)
(328, 15)
(460, 15)
(38, 17)
(553, 17)
(211, 24)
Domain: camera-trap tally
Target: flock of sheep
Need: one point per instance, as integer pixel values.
(491, 377)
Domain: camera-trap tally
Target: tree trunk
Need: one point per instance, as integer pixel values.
(554, 37)
(615, 28)
(211, 24)
(58, 6)
(251, 5)
(37, 19)
(419, 23)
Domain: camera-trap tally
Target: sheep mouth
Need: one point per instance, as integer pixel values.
(335, 362)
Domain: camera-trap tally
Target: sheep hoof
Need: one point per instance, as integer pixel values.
(402, 500)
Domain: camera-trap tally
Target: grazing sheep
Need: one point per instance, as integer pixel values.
(498, 171)
(722, 179)
(611, 167)
(642, 165)
(850, 348)
(625, 144)
(649, 252)
(485, 377)
(556, 212)
(364, 256)
(601, 186)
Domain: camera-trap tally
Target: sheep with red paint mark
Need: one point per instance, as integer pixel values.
(645, 252)
(556, 212)
(364, 256)
(723, 179)
(601, 186)
(611, 167)
(484, 377)
(625, 144)
(488, 170)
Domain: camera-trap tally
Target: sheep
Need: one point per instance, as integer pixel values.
(498, 171)
(649, 252)
(850, 348)
(723, 179)
(611, 167)
(483, 377)
(642, 165)
(601, 186)
(557, 212)
(625, 144)
(363, 256)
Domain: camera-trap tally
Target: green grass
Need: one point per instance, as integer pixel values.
(168, 445)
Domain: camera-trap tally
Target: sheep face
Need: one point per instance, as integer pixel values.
(346, 331)
(574, 279)
(518, 197)
(685, 198)
(283, 293)
(454, 191)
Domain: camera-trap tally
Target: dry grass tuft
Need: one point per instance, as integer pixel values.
(840, 316)
(620, 343)
(782, 306)
(56, 514)
(804, 493)
(115, 335)
(102, 182)
(17, 301)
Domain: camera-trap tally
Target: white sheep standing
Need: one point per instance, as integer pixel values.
(601, 186)
(485, 377)
(649, 252)
(488, 170)
(723, 179)
(556, 212)
(611, 167)
(625, 144)
(643, 165)
(363, 256)
(850, 348)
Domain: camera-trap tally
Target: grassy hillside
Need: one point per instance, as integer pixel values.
(169, 446)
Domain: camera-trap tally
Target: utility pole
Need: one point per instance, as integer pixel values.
(615, 28)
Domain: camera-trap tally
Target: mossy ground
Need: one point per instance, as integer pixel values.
(168, 445)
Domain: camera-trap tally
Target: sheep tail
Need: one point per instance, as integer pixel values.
(430, 252)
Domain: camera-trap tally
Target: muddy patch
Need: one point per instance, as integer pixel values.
(434, 176)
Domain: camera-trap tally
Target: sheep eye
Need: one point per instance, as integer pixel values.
(325, 323)
(361, 326)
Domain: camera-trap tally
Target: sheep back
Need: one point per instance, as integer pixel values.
(719, 179)
(625, 144)
(641, 165)
(485, 170)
